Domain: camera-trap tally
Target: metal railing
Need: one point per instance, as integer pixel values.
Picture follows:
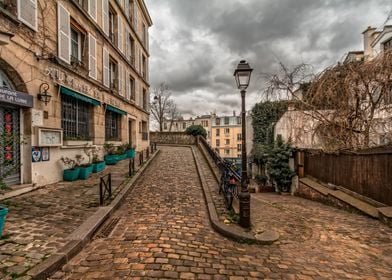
(105, 188)
(217, 159)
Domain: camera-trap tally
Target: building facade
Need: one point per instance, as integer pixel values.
(90, 57)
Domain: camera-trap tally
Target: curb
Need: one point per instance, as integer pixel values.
(220, 227)
(83, 234)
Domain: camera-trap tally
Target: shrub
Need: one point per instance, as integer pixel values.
(196, 130)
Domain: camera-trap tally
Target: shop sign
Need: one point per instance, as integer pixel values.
(15, 98)
(65, 79)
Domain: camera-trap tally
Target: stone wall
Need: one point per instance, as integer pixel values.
(180, 138)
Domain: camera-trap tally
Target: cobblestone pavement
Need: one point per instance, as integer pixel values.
(39, 222)
(163, 232)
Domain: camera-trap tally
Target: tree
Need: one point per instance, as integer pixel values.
(196, 130)
(350, 102)
(163, 106)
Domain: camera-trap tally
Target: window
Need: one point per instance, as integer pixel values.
(217, 121)
(77, 44)
(239, 136)
(388, 45)
(227, 120)
(131, 88)
(112, 126)
(184, 125)
(217, 142)
(112, 25)
(130, 49)
(227, 130)
(75, 118)
(227, 141)
(204, 123)
(165, 126)
(144, 131)
(239, 147)
(227, 152)
(113, 74)
(217, 132)
(144, 67)
(239, 121)
(145, 100)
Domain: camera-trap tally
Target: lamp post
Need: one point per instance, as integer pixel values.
(242, 77)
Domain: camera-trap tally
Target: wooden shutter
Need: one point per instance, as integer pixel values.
(127, 8)
(92, 9)
(27, 13)
(127, 51)
(136, 16)
(105, 16)
(120, 34)
(63, 33)
(127, 91)
(105, 60)
(92, 56)
(120, 78)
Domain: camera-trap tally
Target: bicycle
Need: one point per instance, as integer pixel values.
(227, 185)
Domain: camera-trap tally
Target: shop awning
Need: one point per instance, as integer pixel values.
(77, 95)
(116, 110)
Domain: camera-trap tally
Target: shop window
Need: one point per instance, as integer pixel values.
(76, 116)
(112, 126)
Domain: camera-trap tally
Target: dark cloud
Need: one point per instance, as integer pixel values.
(195, 45)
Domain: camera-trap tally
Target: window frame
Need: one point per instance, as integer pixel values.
(112, 126)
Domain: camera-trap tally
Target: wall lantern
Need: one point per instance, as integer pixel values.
(43, 94)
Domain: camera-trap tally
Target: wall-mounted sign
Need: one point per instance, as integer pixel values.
(16, 98)
(45, 155)
(50, 137)
(37, 117)
(35, 154)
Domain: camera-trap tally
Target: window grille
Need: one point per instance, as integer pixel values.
(75, 118)
(112, 126)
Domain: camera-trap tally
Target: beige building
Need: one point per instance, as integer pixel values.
(91, 57)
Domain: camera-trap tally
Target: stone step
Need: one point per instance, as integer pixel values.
(356, 203)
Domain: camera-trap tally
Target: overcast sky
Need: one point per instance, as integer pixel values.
(195, 45)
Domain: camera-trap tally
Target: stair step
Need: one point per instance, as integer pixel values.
(356, 203)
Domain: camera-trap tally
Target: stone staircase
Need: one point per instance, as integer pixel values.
(310, 188)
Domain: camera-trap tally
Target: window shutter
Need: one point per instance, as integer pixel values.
(92, 56)
(27, 13)
(105, 16)
(92, 9)
(120, 34)
(120, 78)
(135, 18)
(127, 86)
(105, 58)
(127, 51)
(64, 30)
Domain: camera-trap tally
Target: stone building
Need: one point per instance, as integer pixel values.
(91, 59)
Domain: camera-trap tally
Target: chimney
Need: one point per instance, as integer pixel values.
(368, 38)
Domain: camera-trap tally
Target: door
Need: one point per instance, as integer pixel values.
(10, 145)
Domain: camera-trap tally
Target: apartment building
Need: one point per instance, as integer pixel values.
(71, 73)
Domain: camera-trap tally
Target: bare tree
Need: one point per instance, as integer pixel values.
(350, 102)
(163, 106)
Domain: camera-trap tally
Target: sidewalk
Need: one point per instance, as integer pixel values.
(39, 222)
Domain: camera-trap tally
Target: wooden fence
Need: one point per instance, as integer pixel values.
(366, 173)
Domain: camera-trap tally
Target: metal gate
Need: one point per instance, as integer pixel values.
(10, 145)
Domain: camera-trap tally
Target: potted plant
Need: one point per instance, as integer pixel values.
(121, 153)
(110, 154)
(85, 169)
(98, 163)
(71, 173)
(130, 150)
(3, 214)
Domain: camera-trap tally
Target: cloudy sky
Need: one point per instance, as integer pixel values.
(195, 45)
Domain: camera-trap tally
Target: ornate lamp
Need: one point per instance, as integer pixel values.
(43, 94)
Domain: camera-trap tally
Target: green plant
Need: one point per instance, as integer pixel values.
(88, 151)
(129, 146)
(261, 179)
(109, 148)
(68, 162)
(120, 150)
(278, 164)
(78, 160)
(196, 130)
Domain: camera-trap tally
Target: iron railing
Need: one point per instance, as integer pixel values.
(220, 162)
(105, 188)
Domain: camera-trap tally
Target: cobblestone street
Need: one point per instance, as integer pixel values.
(163, 231)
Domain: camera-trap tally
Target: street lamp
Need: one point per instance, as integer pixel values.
(242, 77)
